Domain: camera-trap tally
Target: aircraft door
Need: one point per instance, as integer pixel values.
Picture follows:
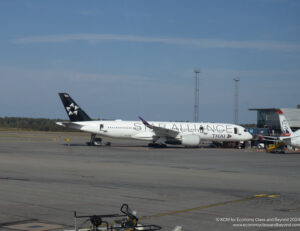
(102, 128)
(201, 129)
(237, 131)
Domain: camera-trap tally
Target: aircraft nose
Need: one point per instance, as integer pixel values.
(250, 137)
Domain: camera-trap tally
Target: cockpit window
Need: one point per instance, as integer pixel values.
(245, 130)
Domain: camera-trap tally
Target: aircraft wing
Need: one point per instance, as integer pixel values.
(160, 131)
(288, 137)
(269, 138)
(273, 138)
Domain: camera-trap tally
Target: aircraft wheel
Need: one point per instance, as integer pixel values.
(98, 139)
(162, 146)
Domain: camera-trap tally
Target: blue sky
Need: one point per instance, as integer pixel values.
(127, 58)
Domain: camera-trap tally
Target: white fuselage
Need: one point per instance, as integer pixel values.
(294, 140)
(137, 130)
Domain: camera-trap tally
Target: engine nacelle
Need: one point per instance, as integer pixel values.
(190, 140)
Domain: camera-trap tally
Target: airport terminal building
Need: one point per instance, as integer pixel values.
(268, 118)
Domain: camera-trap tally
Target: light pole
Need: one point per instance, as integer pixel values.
(236, 100)
(196, 105)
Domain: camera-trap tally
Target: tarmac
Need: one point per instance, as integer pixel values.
(45, 177)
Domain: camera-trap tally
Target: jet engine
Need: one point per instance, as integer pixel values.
(190, 140)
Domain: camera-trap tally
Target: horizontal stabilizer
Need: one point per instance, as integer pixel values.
(69, 125)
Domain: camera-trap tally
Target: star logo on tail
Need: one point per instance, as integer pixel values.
(72, 109)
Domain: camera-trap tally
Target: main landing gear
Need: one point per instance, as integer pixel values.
(96, 141)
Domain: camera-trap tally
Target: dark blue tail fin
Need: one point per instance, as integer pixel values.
(74, 112)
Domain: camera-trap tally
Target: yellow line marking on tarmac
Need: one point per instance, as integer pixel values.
(260, 195)
(206, 206)
(273, 196)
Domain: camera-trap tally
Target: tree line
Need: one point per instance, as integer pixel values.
(31, 124)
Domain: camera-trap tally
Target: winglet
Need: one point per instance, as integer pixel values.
(144, 121)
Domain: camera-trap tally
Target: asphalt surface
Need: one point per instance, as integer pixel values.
(44, 179)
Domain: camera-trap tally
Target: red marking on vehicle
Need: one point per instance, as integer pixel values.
(280, 112)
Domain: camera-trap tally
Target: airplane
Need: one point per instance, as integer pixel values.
(288, 136)
(158, 133)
